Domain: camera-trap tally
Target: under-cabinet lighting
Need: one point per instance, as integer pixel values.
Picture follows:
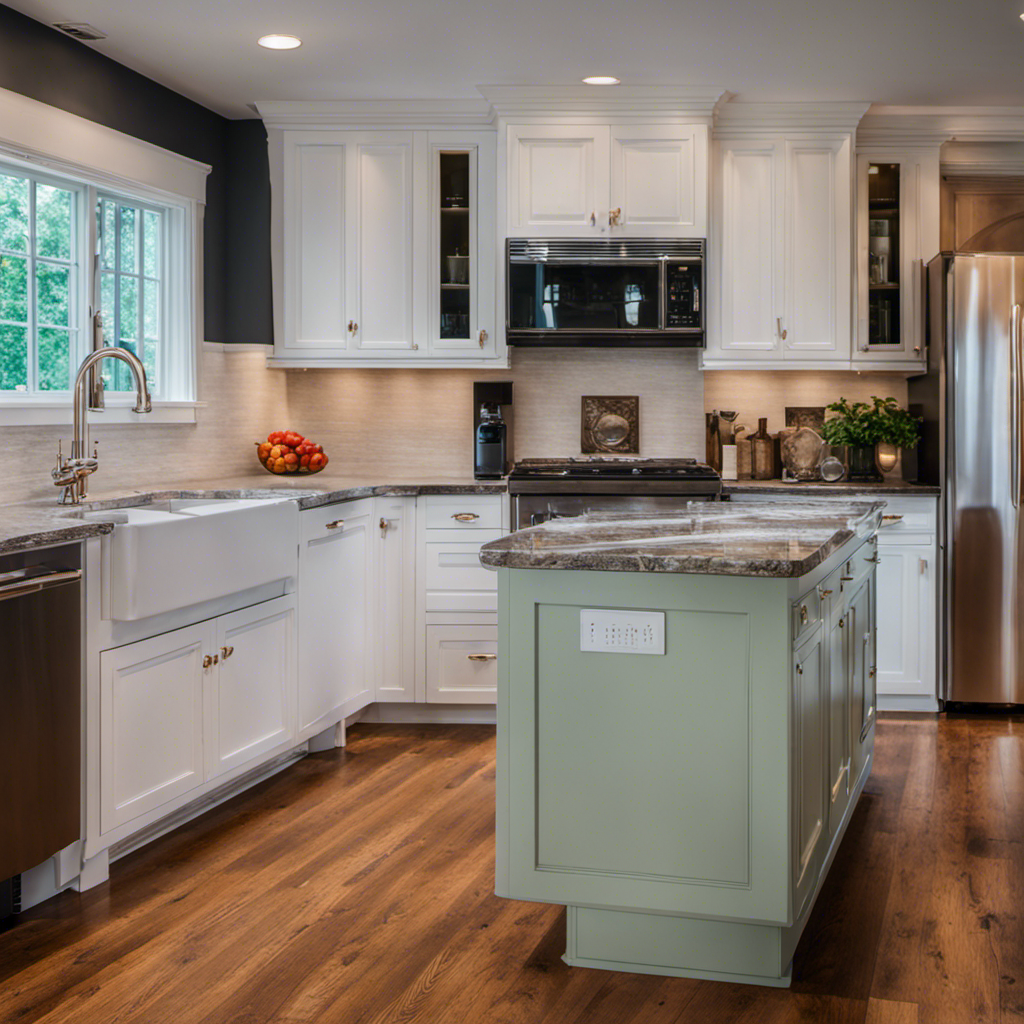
(279, 42)
(606, 79)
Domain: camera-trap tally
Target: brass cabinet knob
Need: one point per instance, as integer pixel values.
(614, 217)
(483, 337)
(782, 331)
(207, 661)
(334, 525)
(216, 658)
(353, 326)
(799, 670)
(871, 672)
(465, 517)
(226, 652)
(384, 524)
(481, 657)
(842, 623)
(803, 614)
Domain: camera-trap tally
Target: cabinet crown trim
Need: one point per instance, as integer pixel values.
(737, 119)
(326, 114)
(537, 103)
(941, 124)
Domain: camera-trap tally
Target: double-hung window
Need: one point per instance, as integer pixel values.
(84, 266)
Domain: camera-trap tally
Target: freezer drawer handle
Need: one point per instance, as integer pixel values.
(481, 657)
(335, 524)
(465, 517)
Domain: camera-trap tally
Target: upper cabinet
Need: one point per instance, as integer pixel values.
(387, 245)
(897, 231)
(607, 180)
(781, 255)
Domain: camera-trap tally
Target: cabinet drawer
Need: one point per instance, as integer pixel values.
(806, 613)
(454, 578)
(462, 664)
(330, 519)
(463, 512)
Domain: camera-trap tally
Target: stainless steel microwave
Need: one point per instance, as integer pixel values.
(614, 293)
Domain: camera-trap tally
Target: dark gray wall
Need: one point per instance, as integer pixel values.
(44, 64)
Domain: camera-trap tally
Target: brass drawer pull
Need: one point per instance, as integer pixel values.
(891, 520)
(482, 657)
(824, 593)
(874, 560)
(334, 525)
(803, 614)
(465, 517)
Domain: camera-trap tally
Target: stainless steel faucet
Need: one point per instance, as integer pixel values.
(72, 473)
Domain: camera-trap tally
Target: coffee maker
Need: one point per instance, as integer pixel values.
(491, 431)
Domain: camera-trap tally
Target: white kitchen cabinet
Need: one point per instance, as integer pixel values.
(176, 713)
(781, 253)
(897, 231)
(251, 696)
(151, 722)
(462, 664)
(395, 544)
(456, 598)
(607, 180)
(336, 597)
(367, 226)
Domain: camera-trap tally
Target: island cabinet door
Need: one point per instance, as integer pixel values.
(655, 782)
(839, 719)
(861, 666)
(810, 747)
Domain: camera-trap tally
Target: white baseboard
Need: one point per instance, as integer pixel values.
(907, 702)
(434, 714)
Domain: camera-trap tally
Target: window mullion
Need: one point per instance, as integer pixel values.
(140, 296)
(32, 356)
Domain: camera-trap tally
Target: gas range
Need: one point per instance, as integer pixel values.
(543, 489)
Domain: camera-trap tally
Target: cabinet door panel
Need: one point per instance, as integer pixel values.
(558, 178)
(818, 209)
(151, 722)
(335, 617)
(380, 270)
(314, 244)
(839, 724)
(749, 244)
(396, 598)
(454, 579)
(659, 180)
(811, 699)
(906, 620)
(250, 694)
(462, 665)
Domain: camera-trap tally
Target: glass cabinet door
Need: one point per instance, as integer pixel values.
(461, 317)
(884, 252)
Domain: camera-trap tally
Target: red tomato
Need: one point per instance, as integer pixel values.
(276, 437)
(304, 460)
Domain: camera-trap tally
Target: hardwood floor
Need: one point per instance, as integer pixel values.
(356, 888)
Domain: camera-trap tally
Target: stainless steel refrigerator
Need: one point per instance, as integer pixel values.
(972, 399)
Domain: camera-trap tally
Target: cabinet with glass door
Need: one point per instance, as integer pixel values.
(897, 231)
(462, 240)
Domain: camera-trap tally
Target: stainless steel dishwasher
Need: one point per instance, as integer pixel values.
(40, 713)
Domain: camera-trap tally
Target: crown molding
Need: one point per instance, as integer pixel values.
(324, 114)
(926, 126)
(738, 118)
(659, 103)
(985, 159)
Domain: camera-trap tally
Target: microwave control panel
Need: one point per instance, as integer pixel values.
(682, 295)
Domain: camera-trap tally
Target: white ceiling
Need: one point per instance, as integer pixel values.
(943, 52)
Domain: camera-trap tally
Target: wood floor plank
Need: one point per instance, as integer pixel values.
(356, 887)
(884, 1011)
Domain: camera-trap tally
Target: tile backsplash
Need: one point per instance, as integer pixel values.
(756, 393)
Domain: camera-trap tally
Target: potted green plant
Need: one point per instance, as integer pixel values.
(873, 433)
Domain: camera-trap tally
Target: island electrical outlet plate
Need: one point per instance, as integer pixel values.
(622, 632)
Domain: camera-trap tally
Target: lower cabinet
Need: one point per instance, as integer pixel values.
(176, 711)
(462, 664)
(336, 597)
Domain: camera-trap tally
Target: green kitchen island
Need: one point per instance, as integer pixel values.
(686, 711)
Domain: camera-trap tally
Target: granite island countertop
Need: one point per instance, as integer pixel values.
(44, 523)
(771, 539)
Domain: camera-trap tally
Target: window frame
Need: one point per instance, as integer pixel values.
(181, 295)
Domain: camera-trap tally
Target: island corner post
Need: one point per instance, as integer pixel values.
(685, 804)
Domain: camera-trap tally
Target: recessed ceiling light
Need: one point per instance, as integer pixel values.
(606, 79)
(276, 42)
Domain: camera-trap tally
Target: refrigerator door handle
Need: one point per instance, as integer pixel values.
(1015, 405)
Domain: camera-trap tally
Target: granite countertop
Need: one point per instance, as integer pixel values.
(43, 523)
(770, 539)
(819, 488)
